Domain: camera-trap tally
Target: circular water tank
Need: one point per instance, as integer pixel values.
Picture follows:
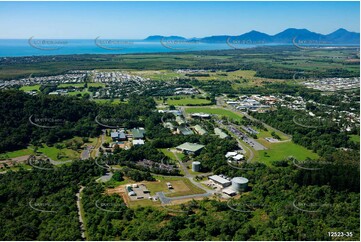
(239, 184)
(196, 166)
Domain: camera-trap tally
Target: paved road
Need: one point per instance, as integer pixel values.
(78, 201)
(189, 176)
(105, 177)
(167, 200)
(102, 136)
(221, 103)
(251, 154)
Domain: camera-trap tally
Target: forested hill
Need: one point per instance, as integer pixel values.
(282, 205)
(48, 119)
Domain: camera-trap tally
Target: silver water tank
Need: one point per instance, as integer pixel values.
(239, 184)
(196, 166)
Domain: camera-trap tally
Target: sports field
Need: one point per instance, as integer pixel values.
(30, 88)
(279, 151)
(188, 101)
(217, 111)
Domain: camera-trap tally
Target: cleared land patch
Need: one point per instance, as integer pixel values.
(279, 151)
(217, 111)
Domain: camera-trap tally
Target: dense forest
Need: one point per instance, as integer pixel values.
(273, 207)
(269, 62)
(273, 210)
(41, 204)
(26, 119)
(283, 202)
(324, 139)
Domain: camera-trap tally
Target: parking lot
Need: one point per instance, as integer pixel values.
(248, 140)
(141, 192)
(213, 185)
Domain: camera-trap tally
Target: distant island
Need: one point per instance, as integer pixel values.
(340, 36)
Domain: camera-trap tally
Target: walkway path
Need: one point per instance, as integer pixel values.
(78, 201)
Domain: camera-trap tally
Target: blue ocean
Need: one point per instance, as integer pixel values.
(26, 47)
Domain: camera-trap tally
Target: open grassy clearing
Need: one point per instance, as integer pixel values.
(188, 101)
(184, 187)
(217, 111)
(143, 203)
(16, 167)
(109, 101)
(158, 75)
(77, 93)
(355, 138)
(279, 151)
(17, 153)
(30, 88)
(58, 154)
(52, 151)
(71, 85)
(168, 153)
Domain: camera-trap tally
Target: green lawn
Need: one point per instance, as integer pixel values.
(53, 152)
(16, 167)
(188, 101)
(192, 189)
(161, 186)
(355, 138)
(78, 92)
(30, 88)
(279, 151)
(143, 203)
(71, 85)
(217, 111)
(17, 153)
(112, 101)
(267, 134)
(168, 153)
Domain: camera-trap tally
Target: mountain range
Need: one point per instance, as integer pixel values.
(340, 36)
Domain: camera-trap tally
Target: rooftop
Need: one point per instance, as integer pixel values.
(138, 142)
(200, 130)
(185, 130)
(138, 133)
(190, 147)
(219, 179)
(240, 180)
(220, 133)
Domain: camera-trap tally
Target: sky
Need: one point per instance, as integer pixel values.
(137, 20)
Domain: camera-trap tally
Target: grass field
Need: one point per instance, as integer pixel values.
(58, 154)
(17, 153)
(51, 152)
(143, 203)
(217, 111)
(78, 92)
(355, 138)
(187, 101)
(71, 85)
(279, 151)
(267, 134)
(317, 61)
(112, 101)
(158, 75)
(182, 186)
(30, 88)
(16, 167)
(168, 153)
